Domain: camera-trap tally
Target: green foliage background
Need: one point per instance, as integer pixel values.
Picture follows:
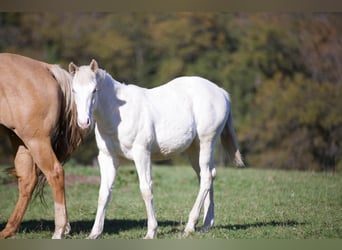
(283, 71)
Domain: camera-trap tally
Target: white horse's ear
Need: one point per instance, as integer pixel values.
(94, 66)
(72, 68)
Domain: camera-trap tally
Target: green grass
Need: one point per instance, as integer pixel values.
(250, 204)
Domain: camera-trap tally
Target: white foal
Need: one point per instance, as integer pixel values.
(188, 114)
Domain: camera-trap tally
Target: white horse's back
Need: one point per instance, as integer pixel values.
(182, 110)
(195, 97)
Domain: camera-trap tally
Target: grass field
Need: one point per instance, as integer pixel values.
(250, 204)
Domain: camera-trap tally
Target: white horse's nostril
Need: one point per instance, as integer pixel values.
(84, 125)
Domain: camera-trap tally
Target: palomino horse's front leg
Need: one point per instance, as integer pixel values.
(46, 160)
(108, 173)
(27, 180)
(142, 160)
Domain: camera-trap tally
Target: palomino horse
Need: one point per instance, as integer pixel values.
(38, 114)
(187, 114)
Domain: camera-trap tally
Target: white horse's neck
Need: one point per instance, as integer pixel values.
(105, 80)
(108, 101)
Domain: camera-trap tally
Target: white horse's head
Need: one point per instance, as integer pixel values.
(84, 88)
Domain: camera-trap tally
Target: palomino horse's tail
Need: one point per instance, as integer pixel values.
(229, 142)
(66, 136)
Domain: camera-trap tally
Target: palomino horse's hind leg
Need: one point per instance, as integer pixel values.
(46, 160)
(27, 180)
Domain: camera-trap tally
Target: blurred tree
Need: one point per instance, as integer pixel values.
(283, 71)
(294, 120)
(296, 125)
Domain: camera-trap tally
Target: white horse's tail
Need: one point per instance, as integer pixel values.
(230, 143)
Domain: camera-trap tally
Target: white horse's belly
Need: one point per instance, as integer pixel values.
(165, 148)
(172, 138)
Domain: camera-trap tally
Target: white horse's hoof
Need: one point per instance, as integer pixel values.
(56, 236)
(149, 236)
(92, 237)
(188, 232)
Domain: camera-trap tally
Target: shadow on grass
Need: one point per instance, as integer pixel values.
(114, 226)
(287, 223)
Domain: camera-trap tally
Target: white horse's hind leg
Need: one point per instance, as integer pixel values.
(193, 155)
(205, 161)
(142, 160)
(108, 173)
(209, 219)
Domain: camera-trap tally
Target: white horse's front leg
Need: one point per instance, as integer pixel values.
(108, 173)
(142, 159)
